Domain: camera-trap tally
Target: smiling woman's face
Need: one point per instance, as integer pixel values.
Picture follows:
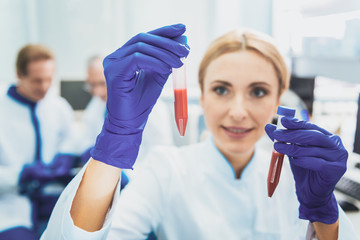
(240, 96)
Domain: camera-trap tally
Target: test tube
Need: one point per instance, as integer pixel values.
(276, 157)
(180, 98)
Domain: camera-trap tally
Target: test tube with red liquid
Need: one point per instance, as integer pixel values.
(277, 158)
(180, 95)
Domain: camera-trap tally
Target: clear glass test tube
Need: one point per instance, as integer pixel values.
(276, 157)
(180, 98)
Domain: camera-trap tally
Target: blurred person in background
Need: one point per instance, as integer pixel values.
(95, 111)
(37, 143)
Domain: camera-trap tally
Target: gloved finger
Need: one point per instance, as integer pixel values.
(170, 31)
(182, 40)
(269, 129)
(317, 164)
(141, 61)
(159, 41)
(306, 137)
(298, 172)
(152, 51)
(297, 151)
(294, 123)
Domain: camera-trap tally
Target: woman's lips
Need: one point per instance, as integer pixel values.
(237, 132)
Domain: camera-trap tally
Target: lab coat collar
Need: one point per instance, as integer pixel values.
(224, 167)
(13, 93)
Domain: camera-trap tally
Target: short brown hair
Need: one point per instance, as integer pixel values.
(240, 40)
(30, 53)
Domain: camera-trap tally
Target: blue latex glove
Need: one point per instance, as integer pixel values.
(62, 164)
(318, 160)
(135, 76)
(34, 175)
(38, 171)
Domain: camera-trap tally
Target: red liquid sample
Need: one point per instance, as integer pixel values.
(274, 172)
(181, 109)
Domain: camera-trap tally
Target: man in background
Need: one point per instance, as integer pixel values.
(37, 142)
(95, 111)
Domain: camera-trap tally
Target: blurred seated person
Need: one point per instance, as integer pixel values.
(37, 142)
(158, 134)
(95, 111)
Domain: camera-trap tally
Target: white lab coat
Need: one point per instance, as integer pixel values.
(192, 193)
(92, 122)
(158, 130)
(18, 144)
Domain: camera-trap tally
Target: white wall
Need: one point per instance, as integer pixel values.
(77, 29)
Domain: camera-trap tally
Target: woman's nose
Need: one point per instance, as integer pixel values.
(238, 108)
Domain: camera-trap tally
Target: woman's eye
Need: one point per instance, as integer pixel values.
(220, 90)
(259, 92)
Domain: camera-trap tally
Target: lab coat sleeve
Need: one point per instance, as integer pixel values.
(61, 225)
(10, 166)
(9, 176)
(346, 229)
(143, 202)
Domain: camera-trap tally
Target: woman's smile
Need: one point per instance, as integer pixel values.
(237, 132)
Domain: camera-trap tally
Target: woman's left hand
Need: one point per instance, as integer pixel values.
(318, 160)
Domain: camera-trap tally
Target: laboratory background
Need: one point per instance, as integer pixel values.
(320, 40)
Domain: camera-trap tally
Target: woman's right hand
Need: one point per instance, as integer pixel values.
(135, 75)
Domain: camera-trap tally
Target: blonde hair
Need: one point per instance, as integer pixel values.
(242, 40)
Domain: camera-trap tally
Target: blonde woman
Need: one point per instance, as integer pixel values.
(215, 189)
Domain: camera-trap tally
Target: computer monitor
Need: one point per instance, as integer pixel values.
(304, 88)
(357, 130)
(73, 91)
